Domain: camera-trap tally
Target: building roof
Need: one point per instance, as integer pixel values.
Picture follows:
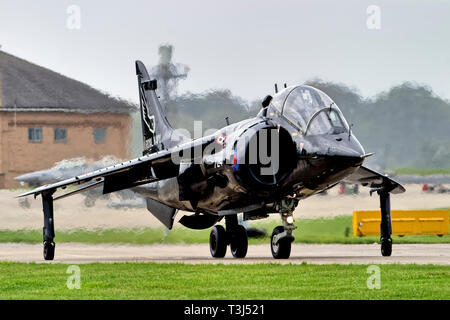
(29, 87)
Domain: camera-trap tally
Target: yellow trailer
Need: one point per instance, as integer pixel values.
(404, 222)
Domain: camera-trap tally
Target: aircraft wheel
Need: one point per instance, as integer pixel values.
(239, 242)
(386, 247)
(49, 250)
(282, 249)
(218, 242)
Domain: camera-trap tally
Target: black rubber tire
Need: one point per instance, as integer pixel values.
(218, 242)
(49, 250)
(283, 249)
(386, 247)
(239, 242)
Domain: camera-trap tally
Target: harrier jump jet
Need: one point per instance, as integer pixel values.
(298, 145)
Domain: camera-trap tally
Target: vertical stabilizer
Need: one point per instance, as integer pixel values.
(156, 130)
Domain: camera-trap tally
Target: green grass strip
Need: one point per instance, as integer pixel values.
(330, 230)
(256, 281)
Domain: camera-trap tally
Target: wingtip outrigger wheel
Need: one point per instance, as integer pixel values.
(49, 227)
(49, 250)
(386, 222)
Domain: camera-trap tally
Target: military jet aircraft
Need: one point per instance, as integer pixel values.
(299, 144)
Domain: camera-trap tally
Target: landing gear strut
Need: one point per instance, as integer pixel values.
(386, 224)
(49, 227)
(235, 235)
(282, 236)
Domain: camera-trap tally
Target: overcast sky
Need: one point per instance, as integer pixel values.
(244, 46)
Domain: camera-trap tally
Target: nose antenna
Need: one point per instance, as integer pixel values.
(276, 88)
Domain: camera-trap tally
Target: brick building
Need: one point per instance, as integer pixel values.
(46, 117)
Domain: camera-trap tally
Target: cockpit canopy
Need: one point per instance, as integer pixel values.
(310, 110)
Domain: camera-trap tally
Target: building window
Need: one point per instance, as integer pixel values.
(60, 134)
(99, 135)
(35, 134)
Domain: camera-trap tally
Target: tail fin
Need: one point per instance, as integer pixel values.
(156, 130)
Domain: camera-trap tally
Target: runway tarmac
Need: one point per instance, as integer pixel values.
(77, 253)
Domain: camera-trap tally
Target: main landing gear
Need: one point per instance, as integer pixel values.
(235, 235)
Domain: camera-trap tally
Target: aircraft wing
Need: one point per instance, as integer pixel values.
(148, 168)
(370, 178)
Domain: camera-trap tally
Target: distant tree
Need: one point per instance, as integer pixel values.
(210, 107)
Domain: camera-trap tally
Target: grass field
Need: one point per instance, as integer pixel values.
(258, 281)
(332, 230)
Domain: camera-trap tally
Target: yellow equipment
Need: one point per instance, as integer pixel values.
(404, 222)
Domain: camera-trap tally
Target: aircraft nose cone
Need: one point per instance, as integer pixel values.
(345, 151)
(341, 148)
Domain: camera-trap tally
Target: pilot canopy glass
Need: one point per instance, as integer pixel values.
(313, 112)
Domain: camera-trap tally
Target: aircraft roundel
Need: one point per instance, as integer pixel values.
(221, 139)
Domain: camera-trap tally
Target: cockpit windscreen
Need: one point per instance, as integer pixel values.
(313, 112)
